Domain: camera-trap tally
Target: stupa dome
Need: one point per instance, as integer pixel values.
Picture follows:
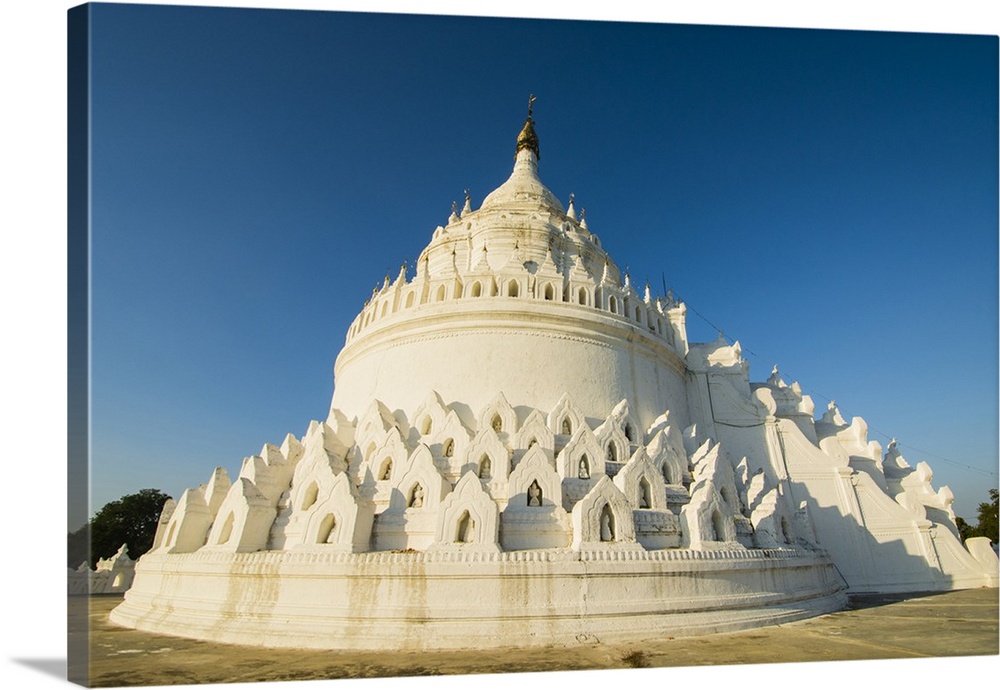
(516, 297)
(524, 187)
(523, 449)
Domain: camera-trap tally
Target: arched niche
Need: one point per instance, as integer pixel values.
(707, 519)
(309, 496)
(486, 445)
(534, 429)
(249, 515)
(582, 443)
(604, 506)
(534, 468)
(642, 483)
(564, 416)
(342, 521)
(418, 470)
(189, 524)
(468, 518)
(499, 415)
(667, 453)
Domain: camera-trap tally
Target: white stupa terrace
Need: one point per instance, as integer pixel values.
(524, 449)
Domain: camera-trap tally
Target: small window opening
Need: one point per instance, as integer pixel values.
(534, 495)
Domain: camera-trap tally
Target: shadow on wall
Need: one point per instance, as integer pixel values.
(870, 565)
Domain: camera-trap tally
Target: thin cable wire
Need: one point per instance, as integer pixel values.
(812, 393)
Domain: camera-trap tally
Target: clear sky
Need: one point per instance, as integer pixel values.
(827, 198)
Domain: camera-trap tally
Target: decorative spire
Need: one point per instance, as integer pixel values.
(454, 212)
(571, 212)
(468, 203)
(583, 218)
(775, 379)
(527, 139)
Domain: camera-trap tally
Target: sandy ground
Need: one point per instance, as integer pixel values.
(960, 623)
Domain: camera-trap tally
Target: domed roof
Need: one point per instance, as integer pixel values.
(524, 187)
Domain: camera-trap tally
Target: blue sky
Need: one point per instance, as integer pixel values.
(828, 198)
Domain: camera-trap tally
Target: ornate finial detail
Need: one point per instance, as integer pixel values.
(583, 218)
(527, 139)
(832, 415)
(468, 203)
(454, 212)
(571, 212)
(775, 379)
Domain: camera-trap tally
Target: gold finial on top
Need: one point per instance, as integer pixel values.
(527, 139)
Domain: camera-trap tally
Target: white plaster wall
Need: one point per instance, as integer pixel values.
(532, 351)
(368, 601)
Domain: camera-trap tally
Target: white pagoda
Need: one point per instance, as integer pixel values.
(525, 449)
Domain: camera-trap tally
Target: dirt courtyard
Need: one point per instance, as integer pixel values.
(962, 623)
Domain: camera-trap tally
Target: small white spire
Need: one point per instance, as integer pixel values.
(571, 212)
(775, 379)
(583, 218)
(468, 203)
(454, 213)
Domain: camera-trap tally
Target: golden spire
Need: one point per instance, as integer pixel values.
(527, 139)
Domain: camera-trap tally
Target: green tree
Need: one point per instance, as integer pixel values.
(965, 530)
(987, 526)
(131, 520)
